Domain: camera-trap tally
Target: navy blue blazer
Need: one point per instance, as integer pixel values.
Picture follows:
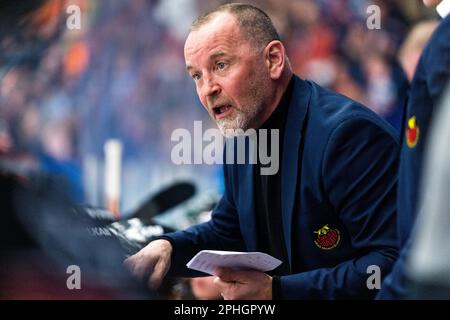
(339, 175)
(428, 84)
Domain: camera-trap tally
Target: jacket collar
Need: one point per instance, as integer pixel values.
(298, 108)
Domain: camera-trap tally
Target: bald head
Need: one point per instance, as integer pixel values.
(254, 24)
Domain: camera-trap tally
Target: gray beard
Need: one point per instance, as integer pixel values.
(230, 126)
(246, 115)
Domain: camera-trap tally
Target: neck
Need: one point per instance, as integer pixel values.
(280, 88)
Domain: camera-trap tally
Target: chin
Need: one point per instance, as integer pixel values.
(230, 127)
(227, 132)
(227, 128)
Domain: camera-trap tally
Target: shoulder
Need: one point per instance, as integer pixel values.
(438, 46)
(442, 31)
(338, 114)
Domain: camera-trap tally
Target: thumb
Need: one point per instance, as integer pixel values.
(158, 274)
(227, 274)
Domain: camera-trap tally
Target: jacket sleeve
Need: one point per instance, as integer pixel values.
(222, 232)
(396, 284)
(359, 175)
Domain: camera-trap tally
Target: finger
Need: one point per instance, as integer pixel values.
(158, 274)
(129, 263)
(220, 284)
(230, 275)
(226, 274)
(138, 266)
(223, 287)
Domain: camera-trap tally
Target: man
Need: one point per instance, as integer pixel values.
(328, 213)
(430, 79)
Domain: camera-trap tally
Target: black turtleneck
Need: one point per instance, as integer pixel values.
(267, 191)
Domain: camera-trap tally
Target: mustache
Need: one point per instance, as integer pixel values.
(217, 100)
(211, 105)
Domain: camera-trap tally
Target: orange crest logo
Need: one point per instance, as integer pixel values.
(327, 238)
(412, 132)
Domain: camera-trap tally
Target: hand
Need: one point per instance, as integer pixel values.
(152, 260)
(243, 285)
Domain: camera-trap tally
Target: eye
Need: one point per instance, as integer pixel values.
(221, 65)
(195, 76)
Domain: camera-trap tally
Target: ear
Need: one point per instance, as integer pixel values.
(274, 55)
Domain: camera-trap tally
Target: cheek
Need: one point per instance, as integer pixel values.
(204, 104)
(202, 98)
(233, 87)
(242, 82)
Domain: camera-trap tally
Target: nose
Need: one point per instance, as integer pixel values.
(210, 87)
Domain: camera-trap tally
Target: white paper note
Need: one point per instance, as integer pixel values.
(208, 260)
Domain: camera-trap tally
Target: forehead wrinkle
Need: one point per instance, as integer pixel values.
(220, 33)
(209, 49)
(215, 42)
(217, 54)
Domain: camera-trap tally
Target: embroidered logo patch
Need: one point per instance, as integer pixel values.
(412, 132)
(327, 238)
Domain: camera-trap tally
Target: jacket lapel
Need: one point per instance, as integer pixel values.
(298, 108)
(248, 218)
(245, 200)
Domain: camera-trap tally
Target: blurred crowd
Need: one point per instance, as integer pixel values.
(64, 92)
(122, 75)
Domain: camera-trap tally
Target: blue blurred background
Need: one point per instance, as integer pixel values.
(122, 75)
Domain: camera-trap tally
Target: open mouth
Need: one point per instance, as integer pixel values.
(222, 111)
